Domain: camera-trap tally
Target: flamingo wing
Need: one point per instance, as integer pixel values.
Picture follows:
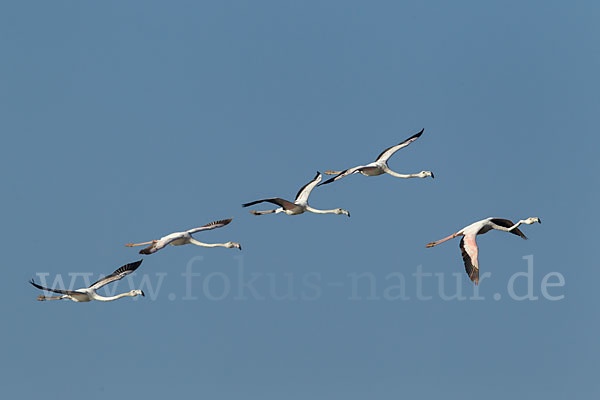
(288, 205)
(469, 250)
(304, 192)
(118, 274)
(507, 223)
(212, 225)
(59, 291)
(387, 153)
(161, 243)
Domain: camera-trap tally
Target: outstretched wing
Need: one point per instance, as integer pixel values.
(118, 274)
(507, 223)
(212, 225)
(304, 192)
(387, 153)
(70, 292)
(288, 205)
(468, 248)
(342, 174)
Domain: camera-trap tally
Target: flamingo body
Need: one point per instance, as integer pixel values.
(468, 244)
(379, 166)
(185, 237)
(300, 204)
(85, 295)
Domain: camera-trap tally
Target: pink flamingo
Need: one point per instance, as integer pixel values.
(468, 245)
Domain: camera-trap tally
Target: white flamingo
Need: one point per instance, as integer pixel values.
(88, 294)
(468, 245)
(181, 238)
(379, 166)
(300, 204)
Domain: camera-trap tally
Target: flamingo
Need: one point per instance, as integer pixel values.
(379, 166)
(181, 238)
(468, 245)
(300, 204)
(88, 294)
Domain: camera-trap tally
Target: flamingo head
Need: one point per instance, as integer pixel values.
(230, 245)
(342, 211)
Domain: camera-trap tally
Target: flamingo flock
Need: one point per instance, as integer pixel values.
(468, 244)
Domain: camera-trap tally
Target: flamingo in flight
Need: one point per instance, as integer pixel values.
(468, 245)
(181, 238)
(379, 166)
(300, 204)
(88, 294)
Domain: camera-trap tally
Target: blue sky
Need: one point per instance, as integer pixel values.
(125, 121)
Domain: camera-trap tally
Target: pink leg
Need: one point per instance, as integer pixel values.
(442, 240)
(140, 244)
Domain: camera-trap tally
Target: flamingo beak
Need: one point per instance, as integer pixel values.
(539, 220)
(143, 295)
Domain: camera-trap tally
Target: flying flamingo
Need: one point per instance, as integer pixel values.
(181, 238)
(379, 166)
(300, 204)
(468, 245)
(88, 294)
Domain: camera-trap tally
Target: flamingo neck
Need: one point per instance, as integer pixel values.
(197, 243)
(314, 210)
(397, 175)
(96, 296)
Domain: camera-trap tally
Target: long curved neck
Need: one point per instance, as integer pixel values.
(397, 175)
(314, 210)
(111, 298)
(197, 243)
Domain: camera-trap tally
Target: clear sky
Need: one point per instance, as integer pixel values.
(126, 120)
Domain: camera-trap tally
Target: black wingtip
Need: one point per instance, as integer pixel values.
(326, 182)
(416, 135)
